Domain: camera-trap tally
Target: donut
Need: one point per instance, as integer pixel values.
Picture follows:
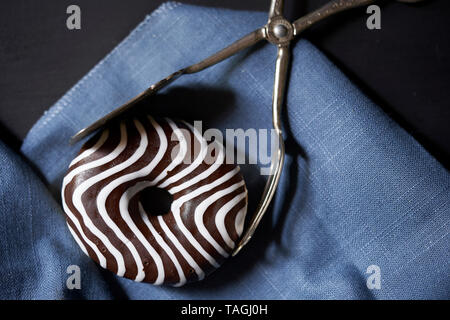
(103, 197)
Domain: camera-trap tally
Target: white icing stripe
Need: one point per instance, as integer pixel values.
(181, 249)
(131, 192)
(201, 156)
(91, 150)
(176, 205)
(164, 246)
(123, 208)
(101, 258)
(105, 191)
(145, 184)
(239, 222)
(83, 187)
(180, 156)
(77, 240)
(204, 174)
(201, 209)
(221, 214)
(96, 163)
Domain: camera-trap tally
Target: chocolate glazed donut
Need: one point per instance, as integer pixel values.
(101, 196)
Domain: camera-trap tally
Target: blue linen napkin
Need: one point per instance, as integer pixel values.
(356, 192)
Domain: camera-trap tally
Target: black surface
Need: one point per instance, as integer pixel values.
(404, 67)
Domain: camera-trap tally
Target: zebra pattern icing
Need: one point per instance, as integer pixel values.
(101, 196)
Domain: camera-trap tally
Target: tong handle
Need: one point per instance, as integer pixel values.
(244, 42)
(276, 8)
(279, 88)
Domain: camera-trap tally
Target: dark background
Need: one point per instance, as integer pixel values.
(404, 67)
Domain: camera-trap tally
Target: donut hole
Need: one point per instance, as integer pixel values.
(156, 201)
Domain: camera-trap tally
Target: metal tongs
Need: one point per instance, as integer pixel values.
(277, 31)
